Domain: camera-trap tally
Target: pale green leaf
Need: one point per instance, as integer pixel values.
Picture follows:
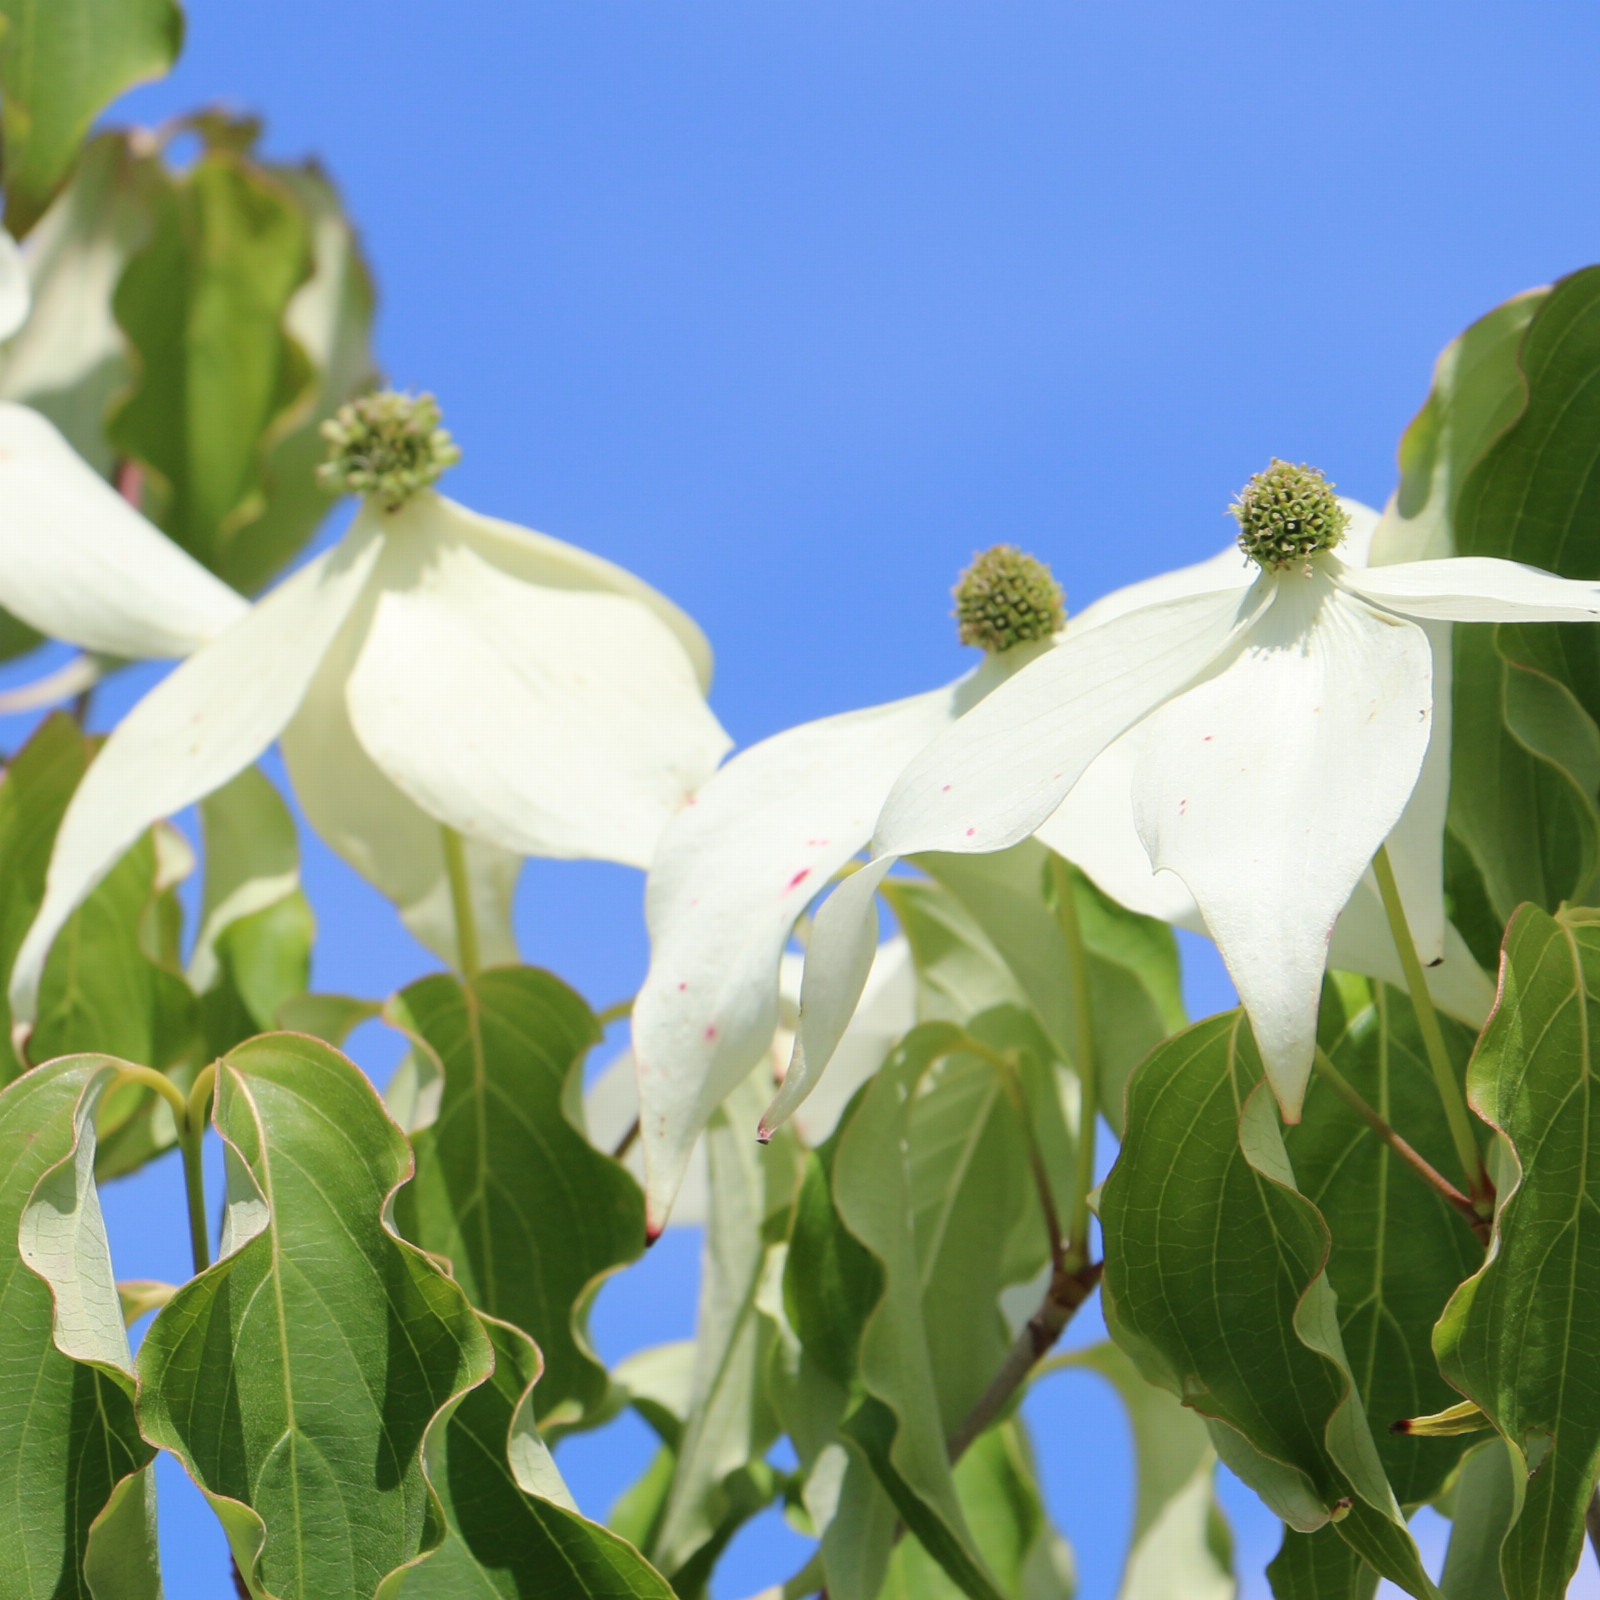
(1522, 1337)
(203, 304)
(1215, 1286)
(1178, 1549)
(1133, 961)
(1485, 1503)
(61, 63)
(530, 1215)
(513, 1530)
(73, 1472)
(729, 1424)
(1319, 1566)
(296, 1379)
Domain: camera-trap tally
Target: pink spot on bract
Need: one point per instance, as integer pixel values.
(947, 788)
(711, 1032)
(799, 878)
(682, 987)
(971, 831)
(816, 844)
(1208, 738)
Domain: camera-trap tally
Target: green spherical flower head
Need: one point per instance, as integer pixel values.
(1288, 514)
(1006, 598)
(386, 446)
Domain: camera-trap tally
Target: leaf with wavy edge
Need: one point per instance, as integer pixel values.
(1216, 1286)
(73, 1470)
(296, 1378)
(514, 1530)
(1521, 1337)
(530, 1215)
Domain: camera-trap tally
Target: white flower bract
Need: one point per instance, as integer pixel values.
(1281, 733)
(435, 666)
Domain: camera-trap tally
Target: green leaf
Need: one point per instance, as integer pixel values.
(39, 782)
(1486, 1501)
(220, 379)
(1522, 1337)
(295, 1379)
(1133, 960)
(330, 318)
(513, 1528)
(1398, 1250)
(897, 1426)
(252, 954)
(331, 1018)
(999, 1490)
(1319, 1566)
(73, 1469)
(729, 1425)
(1215, 1285)
(69, 359)
(531, 1216)
(61, 63)
(1179, 1548)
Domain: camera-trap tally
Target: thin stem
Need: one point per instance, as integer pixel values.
(625, 1143)
(1068, 1290)
(190, 1134)
(1418, 1164)
(1088, 1073)
(1444, 1076)
(455, 862)
(1011, 1083)
(615, 1012)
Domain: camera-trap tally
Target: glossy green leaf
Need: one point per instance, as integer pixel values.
(1522, 1337)
(1179, 1548)
(69, 359)
(73, 1470)
(1215, 1285)
(252, 954)
(61, 63)
(729, 1424)
(1485, 1502)
(530, 1215)
(999, 1490)
(513, 1528)
(296, 1379)
(203, 304)
(1133, 960)
(1398, 1250)
(1319, 1566)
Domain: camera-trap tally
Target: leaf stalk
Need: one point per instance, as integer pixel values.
(1077, 1255)
(455, 864)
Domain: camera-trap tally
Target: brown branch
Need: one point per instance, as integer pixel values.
(1067, 1292)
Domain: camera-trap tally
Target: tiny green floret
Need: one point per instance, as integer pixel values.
(386, 446)
(1006, 598)
(1287, 515)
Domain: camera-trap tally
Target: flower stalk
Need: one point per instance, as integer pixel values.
(455, 861)
(1077, 1256)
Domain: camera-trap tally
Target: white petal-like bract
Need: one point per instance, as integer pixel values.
(199, 727)
(733, 873)
(1474, 589)
(550, 719)
(78, 563)
(1269, 785)
(15, 295)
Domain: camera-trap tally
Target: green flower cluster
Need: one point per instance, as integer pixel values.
(1007, 598)
(1288, 514)
(386, 446)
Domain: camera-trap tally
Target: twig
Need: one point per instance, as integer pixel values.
(1067, 1291)
(1429, 1174)
(625, 1143)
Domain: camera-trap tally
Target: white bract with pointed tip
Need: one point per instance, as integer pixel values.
(1280, 724)
(734, 872)
(435, 666)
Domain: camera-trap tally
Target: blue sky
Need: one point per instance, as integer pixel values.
(791, 305)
